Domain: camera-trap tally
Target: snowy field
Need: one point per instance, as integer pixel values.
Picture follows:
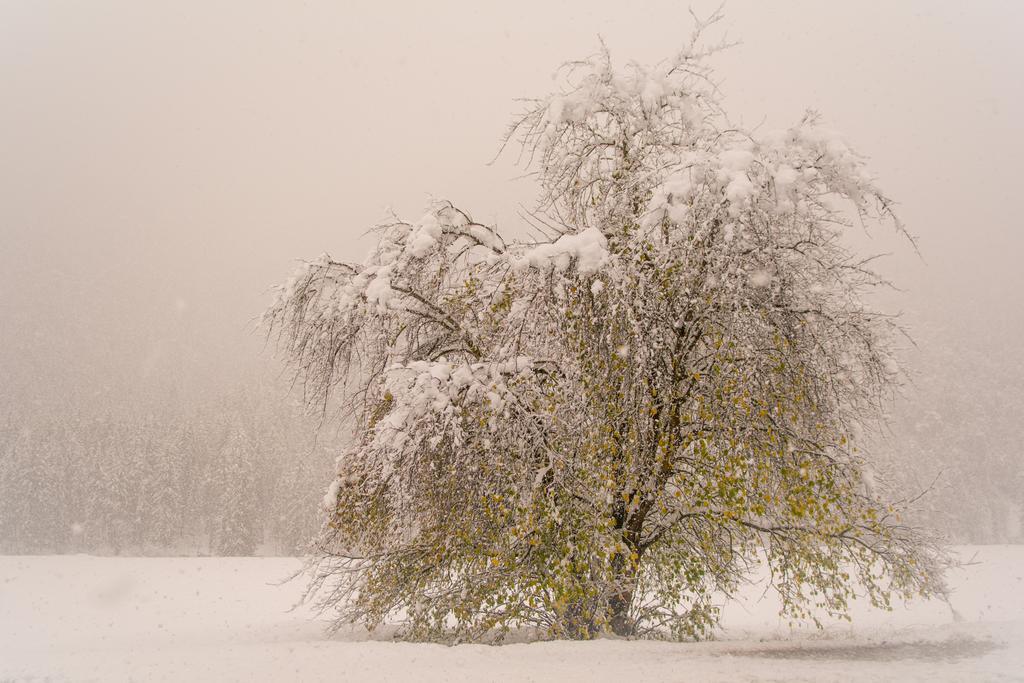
(81, 618)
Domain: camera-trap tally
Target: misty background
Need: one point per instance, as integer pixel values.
(162, 165)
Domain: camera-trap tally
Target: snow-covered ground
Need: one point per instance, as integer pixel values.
(81, 618)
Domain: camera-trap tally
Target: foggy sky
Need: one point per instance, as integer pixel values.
(162, 164)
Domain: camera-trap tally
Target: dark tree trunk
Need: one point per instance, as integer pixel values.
(579, 621)
(622, 599)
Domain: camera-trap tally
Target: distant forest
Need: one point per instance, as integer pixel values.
(239, 475)
(241, 471)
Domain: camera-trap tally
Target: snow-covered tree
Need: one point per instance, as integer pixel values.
(602, 428)
(237, 529)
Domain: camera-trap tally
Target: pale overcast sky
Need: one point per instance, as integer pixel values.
(161, 164)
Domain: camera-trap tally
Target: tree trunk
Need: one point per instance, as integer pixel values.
(579, 621)
(622, 599)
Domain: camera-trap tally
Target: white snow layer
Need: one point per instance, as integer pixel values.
(81, 618)
(589, 248)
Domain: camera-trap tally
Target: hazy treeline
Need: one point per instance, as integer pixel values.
(212, 471)
(959, 429)
(240, 475)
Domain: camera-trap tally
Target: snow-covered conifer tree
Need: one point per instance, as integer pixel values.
(600, 429)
